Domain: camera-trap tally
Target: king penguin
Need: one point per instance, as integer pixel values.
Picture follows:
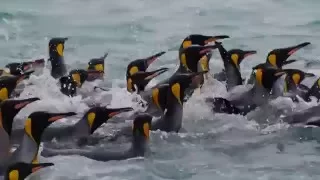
(97, 66)
(8, 110)
(34, 127)
(56, 57)
(279, 57)
(140, 133)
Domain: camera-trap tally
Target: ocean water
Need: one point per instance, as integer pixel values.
(214, 146)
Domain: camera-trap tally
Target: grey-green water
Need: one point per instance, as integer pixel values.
(215, 146)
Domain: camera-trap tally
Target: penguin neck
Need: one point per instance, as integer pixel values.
(291, 87)
(173, 115)
(58, 66)
(233, 76)
(139, 145)
(81, 128)
(27, 151)
(260, 94)
(7, 121)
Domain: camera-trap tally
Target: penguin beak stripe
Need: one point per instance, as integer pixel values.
(204, 51)
(91, 117)
(55, 118)
(60, 49)
(4, 94)
(23, 104)
(279, 73)
(296, 48)
(175, 88)
(120, 111)
(146, 130)
(259, 76)
(40, 166)
(14, 174)
(296, 78)
(210, 40)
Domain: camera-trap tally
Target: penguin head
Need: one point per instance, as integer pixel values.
(179, 83)
(142, 126)
(159, 96)
(56, 48)
(97, 63)
(37, 122)
(198, 39)
(294, 77)
(191, 56)
(141, 64)
(9, 83)
(140, 79)
(68, 86)
(9, 109)
(96, 68)
(96, 116)
(79, 76)
(278, 57)
(21, 170)
(266, 75)
(16, 68)
(237, 55)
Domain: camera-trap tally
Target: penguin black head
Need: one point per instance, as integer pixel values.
(179, 83)
(21, 170)
(96, 65)
(141, 79)
(21, 68)
(159, 96)
(37, 122)
(56, 57)
(266, 76)
(294, 77)
(235, 56)
(142, 64)
(191, 56)
(142, 126)
(9, 83)
(198, 39)
(56, 47)
(278, 57)
(96, 116)
(79, 76)
(9, 109)
(68, 86)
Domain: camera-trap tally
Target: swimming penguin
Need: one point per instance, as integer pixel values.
(75, 79)
(279, 57)
(21, 68)
(178, 85)
(21, 170)
(56, 57)
(138, 81)
(231, 60)
(8, 110)
(258, 95)
(292, 82)
(96, 65)
(310, 116)
(141, 64)
(139, 144)
(86, 126)
(9, 83)
(314, 91)
(34, 127)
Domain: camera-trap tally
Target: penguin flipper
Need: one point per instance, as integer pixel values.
(95, 154)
